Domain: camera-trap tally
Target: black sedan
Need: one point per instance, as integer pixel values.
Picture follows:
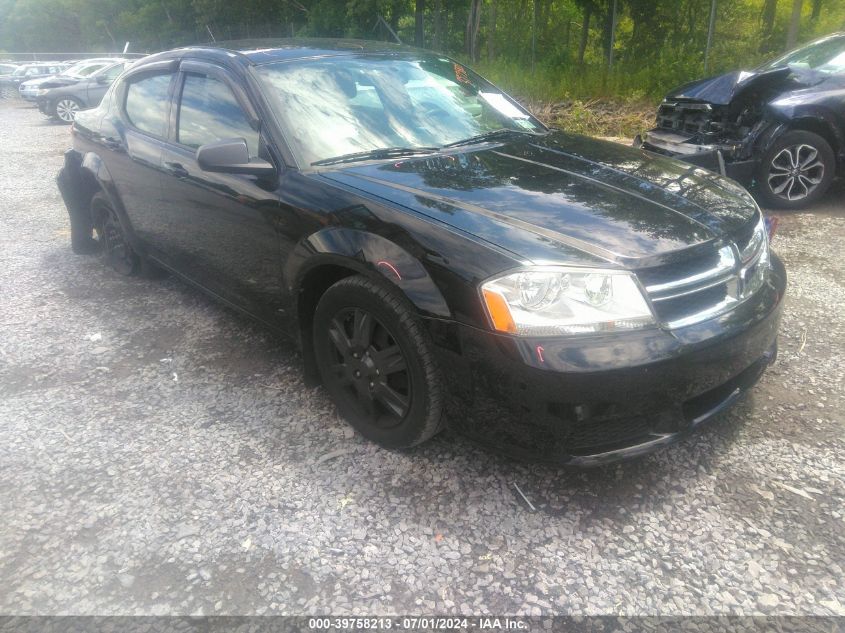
(437, 253)
(779, 129)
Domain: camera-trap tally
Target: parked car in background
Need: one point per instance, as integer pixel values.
(6, 70)
(432, 247)
(30, 90)
(25, 72)
(61, 103)
(779, 129)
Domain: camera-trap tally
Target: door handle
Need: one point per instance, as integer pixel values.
(176, 169)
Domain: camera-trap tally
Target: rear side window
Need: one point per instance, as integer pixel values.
(146, 103)
(208, 112)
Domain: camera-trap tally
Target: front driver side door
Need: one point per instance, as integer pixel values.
(222, 228)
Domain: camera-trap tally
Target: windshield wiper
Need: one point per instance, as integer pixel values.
(383, 152)
(489, 136)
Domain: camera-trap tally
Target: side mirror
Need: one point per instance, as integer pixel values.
(231, 156)
(102, 79)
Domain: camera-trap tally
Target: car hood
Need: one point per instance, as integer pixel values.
(723, 89)
(58, 81)
(564, 198)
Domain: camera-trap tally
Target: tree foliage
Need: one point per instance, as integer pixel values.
(657, 43)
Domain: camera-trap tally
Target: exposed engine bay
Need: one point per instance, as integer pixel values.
(734, 122)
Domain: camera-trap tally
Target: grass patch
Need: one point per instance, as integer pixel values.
(596, 117)
(585, 100)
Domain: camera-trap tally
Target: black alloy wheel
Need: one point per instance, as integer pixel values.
(370, 366)
(376, 362)
(115, 247)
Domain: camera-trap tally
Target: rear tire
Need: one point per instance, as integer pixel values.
(377, 362)
(111, 235)
(796, 171)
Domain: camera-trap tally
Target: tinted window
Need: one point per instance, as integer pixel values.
(146, 103)
(209, 112)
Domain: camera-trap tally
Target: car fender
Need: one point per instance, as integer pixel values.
(816, 117)
(760, 142)
(57, 93)
(369, 254)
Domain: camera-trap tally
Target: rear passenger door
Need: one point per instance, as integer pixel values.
(221, 229)
(136, 145)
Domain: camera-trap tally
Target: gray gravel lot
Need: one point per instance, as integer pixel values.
(160, 454)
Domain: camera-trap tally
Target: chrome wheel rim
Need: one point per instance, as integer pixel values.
(66, 110)
(795, 172)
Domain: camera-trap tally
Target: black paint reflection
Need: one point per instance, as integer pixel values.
(629, 205)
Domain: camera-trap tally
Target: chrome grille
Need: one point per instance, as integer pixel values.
(711, 284)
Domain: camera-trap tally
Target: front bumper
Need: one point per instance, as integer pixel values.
(718, 158)
(28, 95)
(592, 401)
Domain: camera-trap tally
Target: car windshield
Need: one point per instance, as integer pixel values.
(339, 106)
(20, 70)
(83, 69)
(827, 55)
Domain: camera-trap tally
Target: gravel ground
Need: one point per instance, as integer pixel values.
(159, 454)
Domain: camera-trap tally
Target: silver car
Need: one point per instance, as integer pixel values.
(31, 89)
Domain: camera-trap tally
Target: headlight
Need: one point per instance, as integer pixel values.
(756, 260)
(555, 300)
(759, 239)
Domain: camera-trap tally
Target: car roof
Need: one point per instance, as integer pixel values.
(264, 51)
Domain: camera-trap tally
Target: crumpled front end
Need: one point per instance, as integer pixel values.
(719, 123)
(712, 136)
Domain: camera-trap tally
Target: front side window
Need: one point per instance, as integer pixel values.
(146, 103)
(343, 105)
(209, 111)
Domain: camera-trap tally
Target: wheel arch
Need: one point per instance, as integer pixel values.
(82, 177)
(95, 172)
(332, 254)
(824, 128)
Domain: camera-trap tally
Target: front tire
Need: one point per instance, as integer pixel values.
(377, 362)
(66, 108)
(796, 171)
